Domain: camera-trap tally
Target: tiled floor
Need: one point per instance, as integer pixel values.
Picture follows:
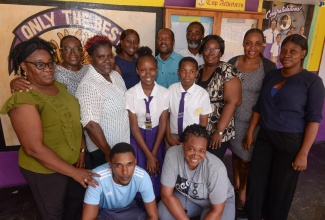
(16, 203)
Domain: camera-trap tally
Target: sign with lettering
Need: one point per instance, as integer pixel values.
(52, 23)
(237, 5)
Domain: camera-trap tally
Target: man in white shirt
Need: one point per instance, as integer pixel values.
(194, 36)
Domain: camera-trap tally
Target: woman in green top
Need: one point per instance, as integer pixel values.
(46, 120)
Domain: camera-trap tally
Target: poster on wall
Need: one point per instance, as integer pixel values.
(283, 19)
(52, 23)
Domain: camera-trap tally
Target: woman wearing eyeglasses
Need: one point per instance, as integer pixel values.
(223, 83)
(126, 60)
(46, 120)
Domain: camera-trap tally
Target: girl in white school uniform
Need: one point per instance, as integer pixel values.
(147, 104)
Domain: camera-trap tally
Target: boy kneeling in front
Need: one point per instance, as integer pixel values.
(120, 180)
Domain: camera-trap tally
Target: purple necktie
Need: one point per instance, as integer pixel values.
(180, 115)
(148, 123)
(272, 37)
(279, 49)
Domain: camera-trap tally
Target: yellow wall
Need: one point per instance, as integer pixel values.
(156, 3)
(316, 40)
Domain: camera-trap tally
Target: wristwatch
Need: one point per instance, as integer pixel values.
(82, 150)
(219, 132)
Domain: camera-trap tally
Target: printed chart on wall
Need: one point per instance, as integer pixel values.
(179, 24)
(52, 24)
(283, 19)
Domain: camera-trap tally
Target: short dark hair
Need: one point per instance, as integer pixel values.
(121, 148)
(197, 131)
(94, 42)
(69, 37)
(196, 23)
(254, 30)
(274, 20)
(298, 40)
(145, 51)
(213, 37)
(188, 59)
(172, 33)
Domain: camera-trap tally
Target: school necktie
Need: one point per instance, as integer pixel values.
(279, 49)
(180, 115)
(272, 36)
(148, 123)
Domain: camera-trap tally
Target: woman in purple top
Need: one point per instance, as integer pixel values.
(125, 61)
(288, 110)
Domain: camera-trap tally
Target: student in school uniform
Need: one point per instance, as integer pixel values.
(189, 103)
(275, 51)
(147, 104)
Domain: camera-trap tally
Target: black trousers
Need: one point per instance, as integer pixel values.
(220, 152)
(272, 182)
(57, 196)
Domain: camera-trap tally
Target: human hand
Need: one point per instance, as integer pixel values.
(81, 160)
(300, 162)
(19, 84)
(85, 177)
(248, 142)
(172, 141)
(216, 140)
(152, 165)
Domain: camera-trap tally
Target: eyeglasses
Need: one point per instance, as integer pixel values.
(214, 51)
(41, 65)
(69, 49)
(166, 39)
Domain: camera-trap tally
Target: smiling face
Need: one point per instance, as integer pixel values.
(194, 36)
(130, 44)
(292, 55)
(72, 59)
(42, 77)
(103, 60)
(194, 150)
(123, 165)
(253, 45)
(187, 74)
(147, 70)
(165, 41)
(210, 54)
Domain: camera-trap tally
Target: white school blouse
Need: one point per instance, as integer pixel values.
(136, 104)
(197, 102)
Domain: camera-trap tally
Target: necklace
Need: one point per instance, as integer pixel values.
(189, 185)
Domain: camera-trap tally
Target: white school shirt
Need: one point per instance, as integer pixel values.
(136, 104)
(198, 57)
(268, 35)
(275, 49)
(197, 102)
(104, 103)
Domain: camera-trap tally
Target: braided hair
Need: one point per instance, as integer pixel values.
(24, 49)
(197, 131)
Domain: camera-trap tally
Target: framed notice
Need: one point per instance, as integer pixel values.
(230, 25)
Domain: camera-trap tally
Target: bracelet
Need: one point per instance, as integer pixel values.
(219, 132)
(83, 150)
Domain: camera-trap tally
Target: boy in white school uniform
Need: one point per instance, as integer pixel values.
(189, 103)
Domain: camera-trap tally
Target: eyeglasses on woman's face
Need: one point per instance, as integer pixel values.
(214, 51)
(69, 49)
(42, 65)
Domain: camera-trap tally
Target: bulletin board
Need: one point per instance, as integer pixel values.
(230, 25)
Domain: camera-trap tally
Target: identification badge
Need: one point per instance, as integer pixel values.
(148, 123)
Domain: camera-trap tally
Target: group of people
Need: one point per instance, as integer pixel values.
(275, 35)
(157, 127)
